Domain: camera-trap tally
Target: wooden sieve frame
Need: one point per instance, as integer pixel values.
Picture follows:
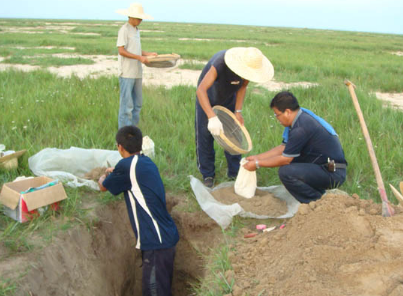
(242, 127)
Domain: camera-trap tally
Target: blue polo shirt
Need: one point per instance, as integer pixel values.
(226, 84)
(310, 142)
(139, 179)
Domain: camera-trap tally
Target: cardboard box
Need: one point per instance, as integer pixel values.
(25, 206)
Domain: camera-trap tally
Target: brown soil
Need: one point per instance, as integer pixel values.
(95, 173)
(100, 258)
(339, 245)
(262, 203)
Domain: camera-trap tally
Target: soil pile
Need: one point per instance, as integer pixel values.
(263, 203)
(339, 245)
(95, 173)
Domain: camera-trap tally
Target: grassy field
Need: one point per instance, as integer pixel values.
(40, 110)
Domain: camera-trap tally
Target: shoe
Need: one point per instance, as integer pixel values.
(231, 178)
(208, 182)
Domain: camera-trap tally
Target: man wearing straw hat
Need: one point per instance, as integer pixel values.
(223, 82)
(130, 59)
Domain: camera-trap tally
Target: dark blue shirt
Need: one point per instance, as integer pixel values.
(139, 179)
(309, 142)
(227, 83)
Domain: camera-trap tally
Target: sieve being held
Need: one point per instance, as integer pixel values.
(235, 139)
(163, 60)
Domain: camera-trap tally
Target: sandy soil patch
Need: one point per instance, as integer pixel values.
(43, 30)
(44, 47)
(107, 65)
(398, 53)
(395, 99)
(263, 203)
(152, 31)
(336, 246)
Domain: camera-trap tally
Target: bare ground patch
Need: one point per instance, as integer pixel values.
(168, 77)
(395, 99)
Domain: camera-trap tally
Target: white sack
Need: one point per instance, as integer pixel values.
(148, 147)
(246, 182)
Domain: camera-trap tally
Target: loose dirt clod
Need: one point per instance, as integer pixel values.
(263, 203)
(95, 173)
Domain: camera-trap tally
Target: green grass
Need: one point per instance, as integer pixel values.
(40, 110)
(215, 283)
(7, 287)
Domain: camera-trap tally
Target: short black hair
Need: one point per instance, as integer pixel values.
(284, 100)
(131, 138)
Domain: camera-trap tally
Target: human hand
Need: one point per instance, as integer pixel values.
(250, 166)
(251, 158)
(108, 171)
(153, 54)
(144, 60)
(239, 117)
(215, 126)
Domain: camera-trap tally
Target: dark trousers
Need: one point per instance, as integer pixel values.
(205, 146)
(158, 267)
(307, 181)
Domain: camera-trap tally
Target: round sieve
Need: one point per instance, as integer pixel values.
(235, 139)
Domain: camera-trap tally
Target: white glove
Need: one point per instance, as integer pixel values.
(215, 126)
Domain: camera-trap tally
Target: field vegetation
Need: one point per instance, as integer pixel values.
(41, 110)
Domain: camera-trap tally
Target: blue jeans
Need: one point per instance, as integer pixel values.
(205, 146)
(158, 267)
(131, 100)
(308, 181)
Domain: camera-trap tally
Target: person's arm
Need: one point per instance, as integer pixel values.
(123, 52)
(201, 91)
(240, 96)
(100, 181)
(272, 158)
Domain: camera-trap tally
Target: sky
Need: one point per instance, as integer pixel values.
(347, 15)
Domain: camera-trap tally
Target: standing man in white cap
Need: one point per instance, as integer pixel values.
(223, 82)
(130, 59)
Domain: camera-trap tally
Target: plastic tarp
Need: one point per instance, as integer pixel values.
(70, 165)
(223, 214)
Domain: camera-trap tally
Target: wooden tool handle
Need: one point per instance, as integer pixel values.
(379, 181)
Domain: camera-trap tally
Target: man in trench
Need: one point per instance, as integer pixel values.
(223, 82)
(311, 158)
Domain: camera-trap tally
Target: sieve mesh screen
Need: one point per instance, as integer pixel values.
(235, 139)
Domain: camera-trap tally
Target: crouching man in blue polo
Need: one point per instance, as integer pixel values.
(310, 158)
(138, 178)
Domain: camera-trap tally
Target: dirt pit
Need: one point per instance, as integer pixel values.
(338, 245)
(100, 258)
(263, 203)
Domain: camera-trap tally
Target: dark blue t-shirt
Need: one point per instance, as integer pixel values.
(309, 142)
(139, 179)
(227, 83)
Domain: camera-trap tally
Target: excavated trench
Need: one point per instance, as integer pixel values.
(101, 259)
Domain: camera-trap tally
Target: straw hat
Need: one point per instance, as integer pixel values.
(10, 161)
(136, 11)
(249, 63)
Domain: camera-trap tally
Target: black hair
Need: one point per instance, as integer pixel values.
(131, 138)
(284, 100)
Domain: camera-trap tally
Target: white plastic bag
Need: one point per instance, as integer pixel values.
(148, 147)
(70, 165)
(223, 214)
(246, 183)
